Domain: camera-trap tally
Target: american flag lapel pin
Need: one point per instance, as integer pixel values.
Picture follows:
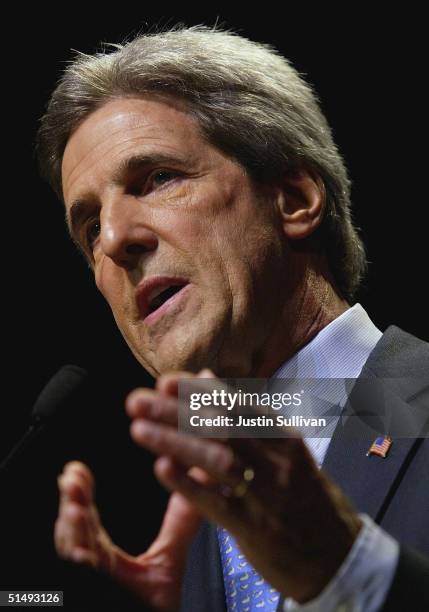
(380, 446)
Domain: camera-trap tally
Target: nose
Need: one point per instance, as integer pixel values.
(124, 235)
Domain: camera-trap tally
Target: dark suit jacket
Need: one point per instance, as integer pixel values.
(394, 491)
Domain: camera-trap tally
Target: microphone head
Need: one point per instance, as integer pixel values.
(61, 389)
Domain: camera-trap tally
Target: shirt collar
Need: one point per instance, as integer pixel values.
(339, 350)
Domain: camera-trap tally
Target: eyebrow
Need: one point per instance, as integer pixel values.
(127, 166)
(142, 160)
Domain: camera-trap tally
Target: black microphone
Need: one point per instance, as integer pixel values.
(53, 400)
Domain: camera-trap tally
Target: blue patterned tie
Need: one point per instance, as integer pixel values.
(245, 590)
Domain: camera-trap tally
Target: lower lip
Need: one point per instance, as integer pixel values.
(171, 302)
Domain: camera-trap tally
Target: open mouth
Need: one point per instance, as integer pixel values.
(162, 297)
(156, 294)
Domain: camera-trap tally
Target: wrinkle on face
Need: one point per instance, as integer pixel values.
(213, 227)
(87, 153)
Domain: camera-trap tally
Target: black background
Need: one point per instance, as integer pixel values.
(369, 72)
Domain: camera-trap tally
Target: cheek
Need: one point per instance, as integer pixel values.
(108, 282)
(100, 277)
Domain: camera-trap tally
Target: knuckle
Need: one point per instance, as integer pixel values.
(220, 457)
(137, 393)
(79, 473)
(159, 437)
(75, 467)
(163, 407)
(171, 379)
(206, 373)
(136, 399)
(74, 513)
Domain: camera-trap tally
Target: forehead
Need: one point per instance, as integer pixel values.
(121, 126)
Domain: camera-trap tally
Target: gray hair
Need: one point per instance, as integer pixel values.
(249, 102)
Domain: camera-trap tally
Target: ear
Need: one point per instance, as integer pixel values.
(301, 203)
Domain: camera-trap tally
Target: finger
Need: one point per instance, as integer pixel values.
(206, 498)
(218, 460)
(79, 524)
(73, 489)
(150, 404)
(144, 402)
(73, 529)
(180, 523)
(81, 473)
(74, 486)
(84, 556)
(79, 534)
(80, 537)
(160, 404)
(82, 469)
(76, 523)
(168, 384)
(275, 466)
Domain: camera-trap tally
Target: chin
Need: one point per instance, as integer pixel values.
(189, 344)
(160, 355)
(176, 352)
(180, 357)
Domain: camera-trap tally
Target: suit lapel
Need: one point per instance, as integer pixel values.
(367, 480)
(377, 405)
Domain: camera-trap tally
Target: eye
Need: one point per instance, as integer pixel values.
(92, 231)
(144, 185)
(160, 177)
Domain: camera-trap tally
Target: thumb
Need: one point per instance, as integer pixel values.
(79, 534)
(181, 522)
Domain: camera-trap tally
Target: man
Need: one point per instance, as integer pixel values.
(202, 184)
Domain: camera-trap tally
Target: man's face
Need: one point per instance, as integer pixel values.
(185, 249)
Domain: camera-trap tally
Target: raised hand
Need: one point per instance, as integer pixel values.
(291, 522)
(156, 575)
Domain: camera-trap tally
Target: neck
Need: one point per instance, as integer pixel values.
(312, 306)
